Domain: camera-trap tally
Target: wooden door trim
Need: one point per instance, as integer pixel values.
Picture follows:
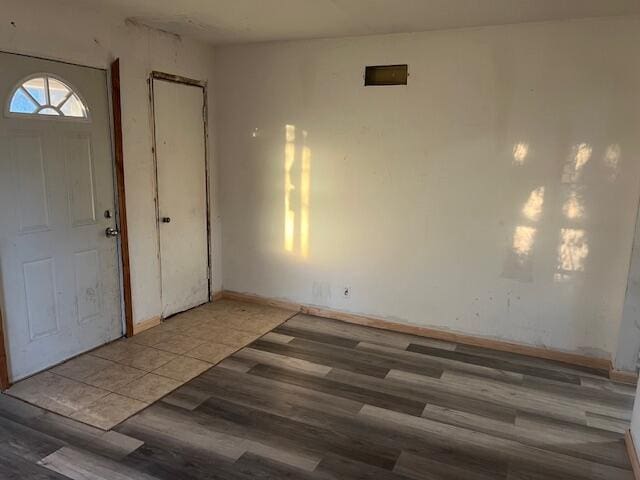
(178, 79)
(121, 196)
(168, 77)
(4, 364)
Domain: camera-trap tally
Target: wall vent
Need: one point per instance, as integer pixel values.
(384, 75)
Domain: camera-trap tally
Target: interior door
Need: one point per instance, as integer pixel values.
(182, 194)
(59, 276)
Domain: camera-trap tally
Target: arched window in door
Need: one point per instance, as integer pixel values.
(45, 94)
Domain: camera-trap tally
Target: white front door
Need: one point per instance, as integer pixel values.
(59, 277)
(182, 194)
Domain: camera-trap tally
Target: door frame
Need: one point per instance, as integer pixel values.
(117, 158)
(121, 199)
(168, 77)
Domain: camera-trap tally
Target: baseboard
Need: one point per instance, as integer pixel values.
(622, 376)
(217, 296)
(633, 454)
(501, 345)
(596, 363)
(146, 325)
(251, 298)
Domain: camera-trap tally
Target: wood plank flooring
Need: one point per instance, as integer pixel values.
(320, 399)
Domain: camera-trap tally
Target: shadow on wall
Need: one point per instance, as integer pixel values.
(297, 186)
(573, 244)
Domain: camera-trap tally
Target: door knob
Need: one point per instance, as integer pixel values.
(166, 219)
(111, 232)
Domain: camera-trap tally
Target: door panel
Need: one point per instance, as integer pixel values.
(59, 277)
(79, 168)
(40, 294)
(27, 157)
(182, 195)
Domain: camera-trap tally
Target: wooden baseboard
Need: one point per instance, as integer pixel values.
(633, 454)
(464, 339)
(146, 325)
(596, 363)
(622, 376)
(4, 363)
(251, 298)
(217, 296)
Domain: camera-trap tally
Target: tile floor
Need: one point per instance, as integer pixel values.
(109, 384)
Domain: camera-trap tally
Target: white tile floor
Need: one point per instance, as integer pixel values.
(109, 384)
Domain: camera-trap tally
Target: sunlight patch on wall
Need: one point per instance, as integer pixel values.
(520, 152)
(573, 207)
(533, 208)
(297, 193)
(289, 213)
(573, 247)
(612, 160)
(580, 156)
(305, 187)
(518, 264)
(523, 239)
(573, 250)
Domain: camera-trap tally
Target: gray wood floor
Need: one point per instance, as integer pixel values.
(319, 399)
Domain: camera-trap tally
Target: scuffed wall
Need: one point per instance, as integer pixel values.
(494, 195)
(80, 33)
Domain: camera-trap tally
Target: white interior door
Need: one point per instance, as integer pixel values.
(59, 277)
(182, 194)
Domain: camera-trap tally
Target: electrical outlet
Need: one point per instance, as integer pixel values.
(346, 292)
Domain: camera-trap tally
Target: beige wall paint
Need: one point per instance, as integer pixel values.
(82, 34)
(495, 195)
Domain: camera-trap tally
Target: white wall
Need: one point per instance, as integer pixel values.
(415, 198)
(494, 195)
(626, 354)
(78, 33)
(635, 421)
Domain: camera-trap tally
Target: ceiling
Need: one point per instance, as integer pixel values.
(245, 21)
